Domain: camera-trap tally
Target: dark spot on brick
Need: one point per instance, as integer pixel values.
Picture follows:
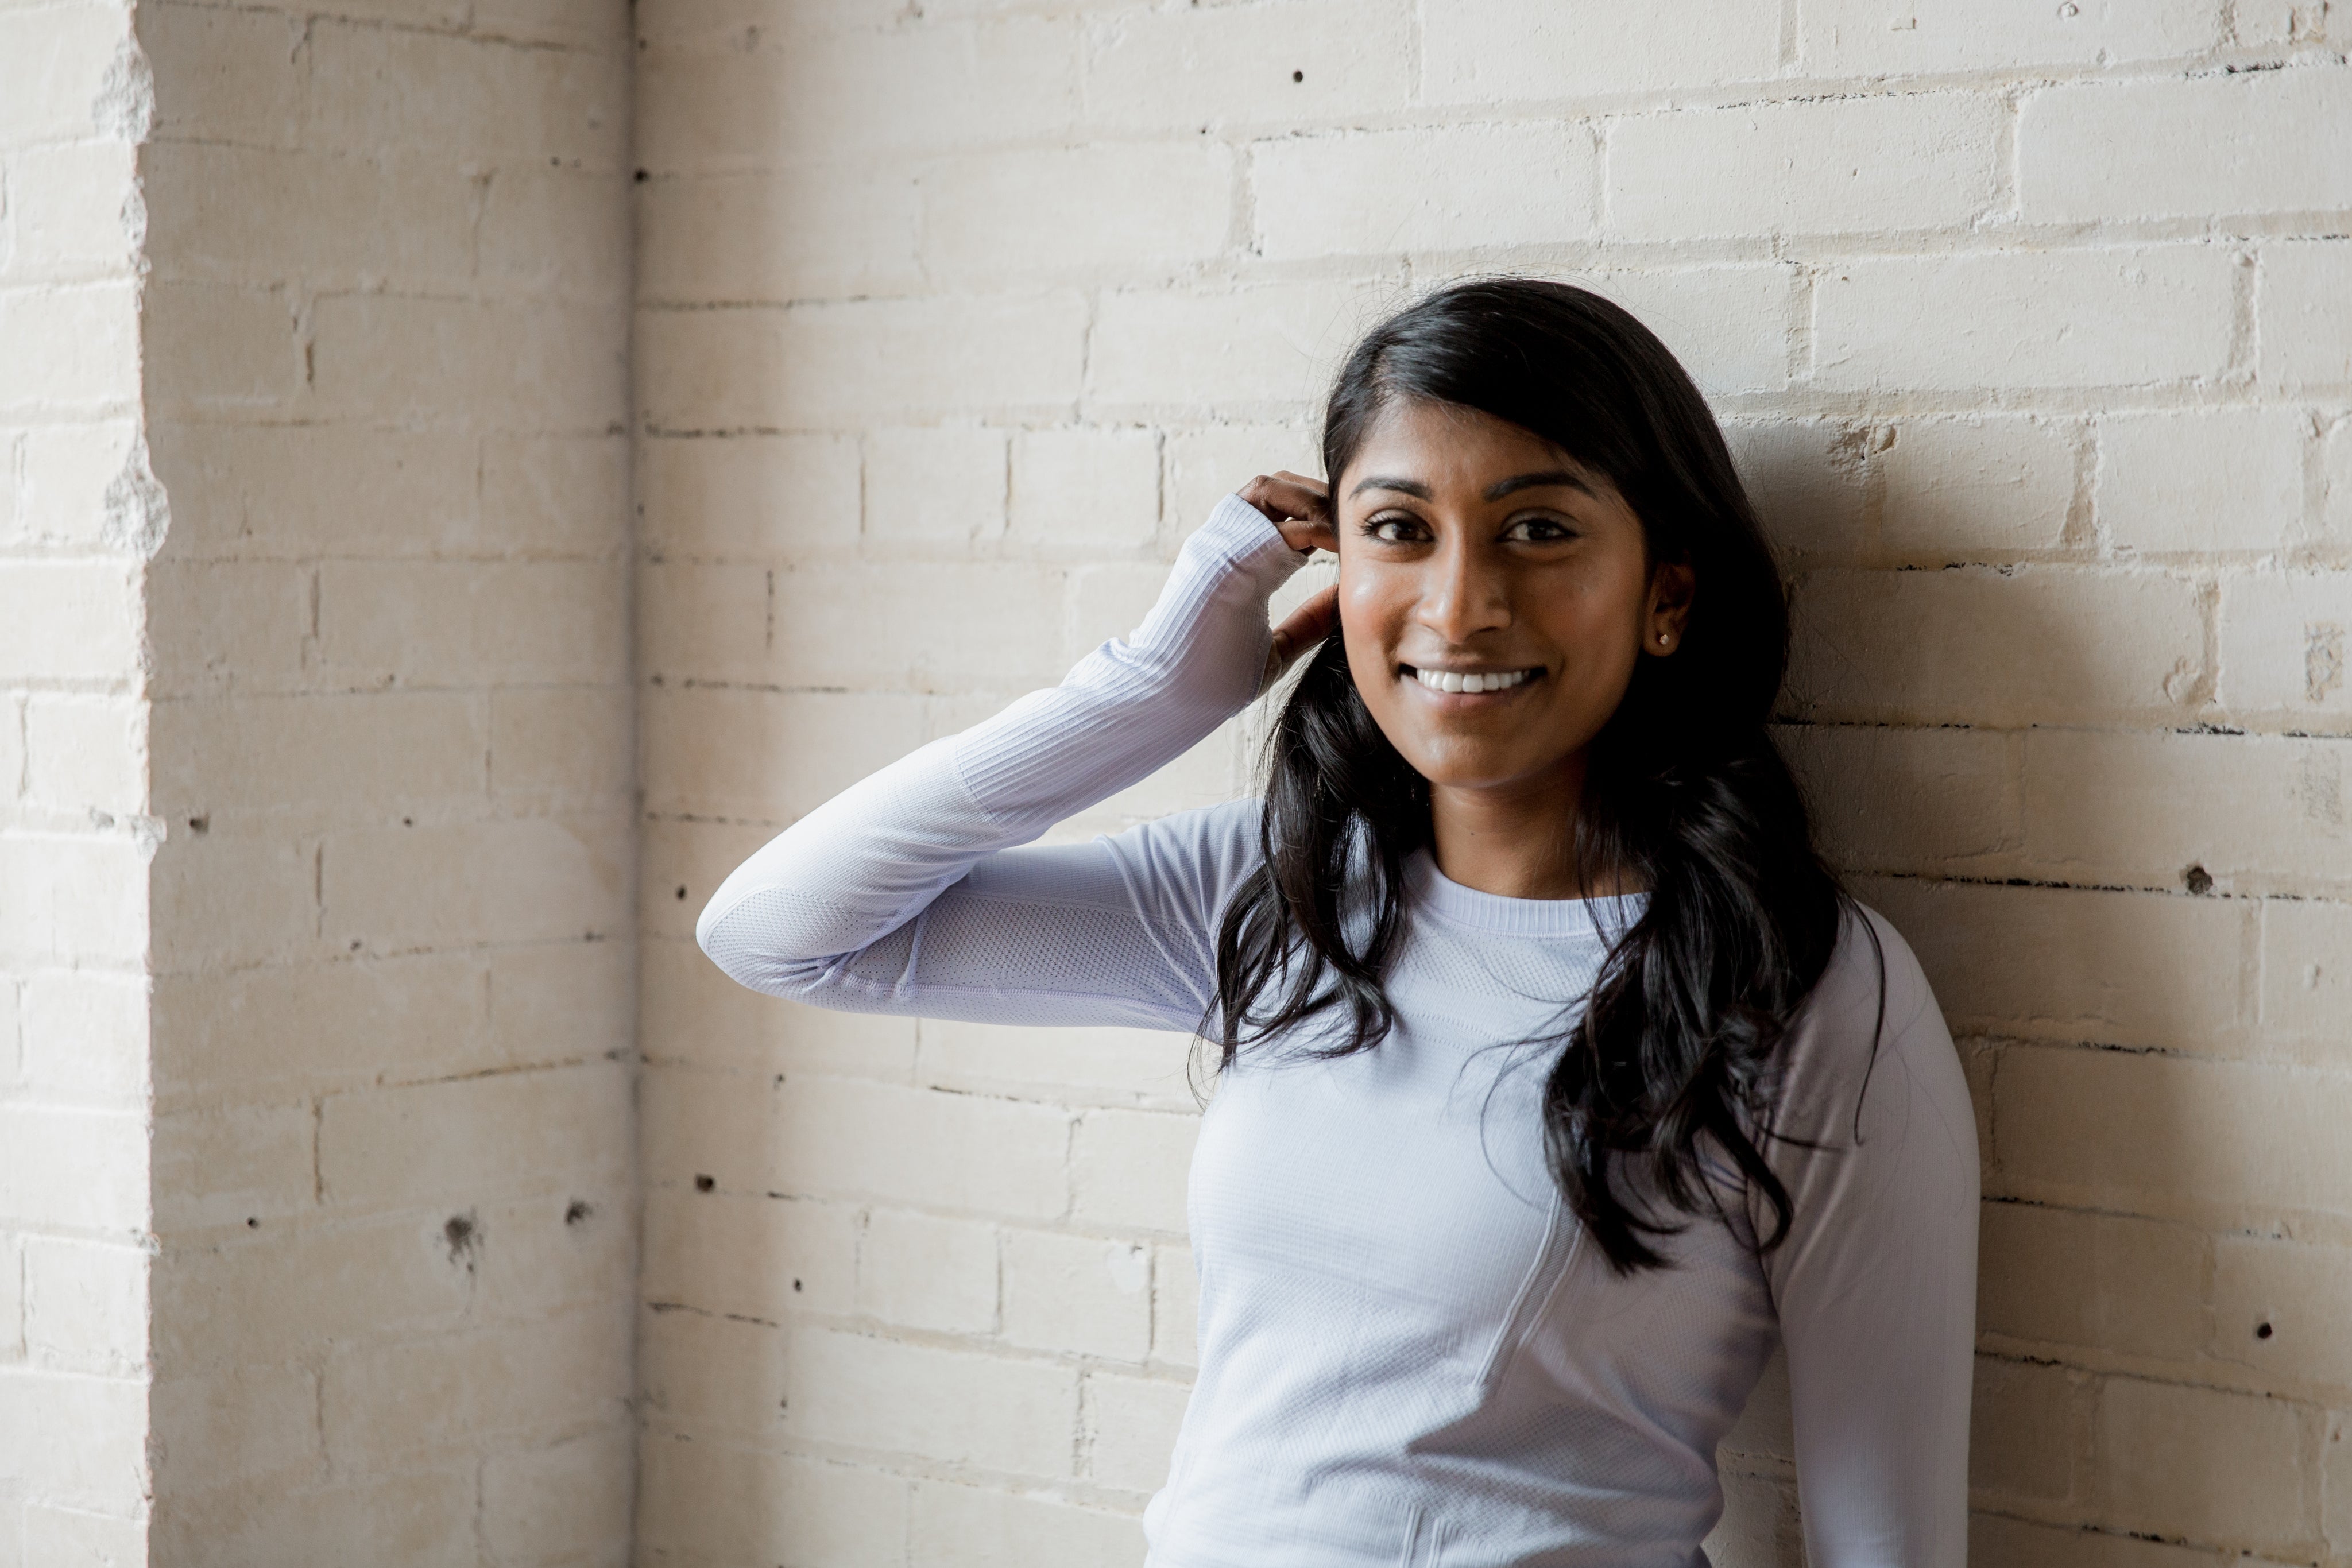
(681, 893)
(408, 821)
(578, 1212)
(2196, 880)
(703, 1184)
(355, 944)
(200, 824)
(2262, 1331)
(796, 1284)
(464, 1235)
(642, 176)
(251, 1223)
(1298, 75)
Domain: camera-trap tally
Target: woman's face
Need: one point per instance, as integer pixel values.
(1475, 555)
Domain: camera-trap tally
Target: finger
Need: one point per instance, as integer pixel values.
(1302, 630)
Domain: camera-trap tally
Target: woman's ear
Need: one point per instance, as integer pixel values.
(1671, 586)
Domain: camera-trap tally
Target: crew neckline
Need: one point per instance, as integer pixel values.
(1603, 919)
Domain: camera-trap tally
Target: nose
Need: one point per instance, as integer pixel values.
(1462, 593)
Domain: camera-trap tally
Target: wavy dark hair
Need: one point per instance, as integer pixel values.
(1685, 793)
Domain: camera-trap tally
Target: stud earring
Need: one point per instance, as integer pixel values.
(1662, 636)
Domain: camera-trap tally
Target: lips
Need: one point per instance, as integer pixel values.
(1471, 681)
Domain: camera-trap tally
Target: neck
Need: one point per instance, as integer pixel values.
(1516, 839)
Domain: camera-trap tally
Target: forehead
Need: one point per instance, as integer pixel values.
(1448, 448)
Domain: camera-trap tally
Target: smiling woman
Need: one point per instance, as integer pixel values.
(1560, 1081)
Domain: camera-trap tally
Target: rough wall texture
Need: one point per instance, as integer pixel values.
(315, 767)
(2027, 322)
(76, 523)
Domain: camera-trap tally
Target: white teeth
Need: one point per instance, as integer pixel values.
(1456, 681)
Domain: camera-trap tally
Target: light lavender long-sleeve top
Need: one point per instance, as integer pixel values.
(1410, 1354)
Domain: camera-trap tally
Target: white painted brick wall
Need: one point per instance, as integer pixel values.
(2029, 324)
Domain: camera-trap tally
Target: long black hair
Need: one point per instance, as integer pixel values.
(1685, 790)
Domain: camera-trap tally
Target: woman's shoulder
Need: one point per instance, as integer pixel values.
(1872, 1008)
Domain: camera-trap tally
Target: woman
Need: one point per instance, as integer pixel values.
(1560, 1081)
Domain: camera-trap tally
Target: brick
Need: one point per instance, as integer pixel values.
(303, 491)
(761, 496)
(228, 76)
(264, 1299)
(2280, 1308)
(957, 1152)
(1806, 480)
(2306, 982)
(1127, 1066)
(918, 626)
(555, 495)
(1996, 1541)
(1129, 1169)
(1868, 37)
(358, 757)
(1175, 1307)
(370, 86)
(748, 1255)
(77, 898)
(1206, 466)
(535, 879)
(713, 1376)
(85, 753)
(86, 1306)
(219, 1166)
(926, 1272)
(558, 1251)
(2034, 644)
(234, 215)
(558, 233)
(2283, 646)
(1456, 188)
(692, 1506)
(64, 1166)
(456, 623)
(567, 1502)
(12, 1301)
(1510, 51)
(694, 1124)
(103, 1465)
(1266, 344)
(940, 488)
(2055, 1276)
(2334, 530)
(1843, 165)
(219, 1427)
(2210, 481)
(452, 1143)
(2172, 1134)
(767, 756)
(221, 627)
(694, 855)
(72, 1535)
(1117, 204)
(800, 232)
(2304, 313)
(961, 1524)
(57, 62)
(565, 1001)
(251, 1028)
(1909, 799)
(943, 87)
(1084, 492)
(2204, 1466)
(2025, 319)
(553, 750)
(212, 349)
(1981, 488)
(1131, 1425)
(703, 623)
(1077, 1294)
(814, 366)
(1729, 325)
(69, 492)
(503, 365)
(2251, 810)
(69, 204)
(418, 1517)
(1015, 1416)
(2247, 142)
(2336, 1484)
(85, 337)
(2026, 1431)
(538, 1380)
(2122, 968)
(1278, 65)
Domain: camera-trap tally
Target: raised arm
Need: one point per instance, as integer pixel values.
(905, 893)
(1875, 1285)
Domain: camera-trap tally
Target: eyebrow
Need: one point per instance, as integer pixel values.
(1495, 492)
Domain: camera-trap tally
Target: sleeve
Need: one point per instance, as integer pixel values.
(1876, 1281)
(907, 893)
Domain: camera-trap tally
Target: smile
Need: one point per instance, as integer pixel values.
(1471, 681)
